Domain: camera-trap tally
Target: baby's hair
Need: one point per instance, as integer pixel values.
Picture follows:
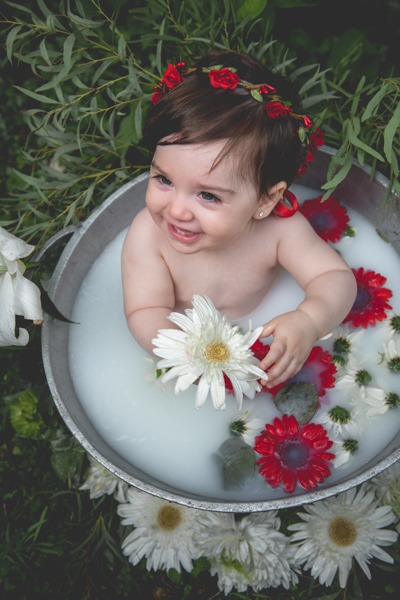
(191, 110)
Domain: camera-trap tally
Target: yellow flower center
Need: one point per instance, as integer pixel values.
(169, 517)
(217, 352)
(342, 531)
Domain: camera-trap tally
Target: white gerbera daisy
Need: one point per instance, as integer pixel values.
(356, 382)
(340, 529)
(375, 401)
(346, 340)
(206, 348)
(391, 354)
(100, 481)
(390, 327)
(247, 551)
(339, 420)
(386, 487)
(247, 426)
(163, 532)
(343, 451)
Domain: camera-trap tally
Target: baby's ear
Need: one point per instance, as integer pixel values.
(269, 200)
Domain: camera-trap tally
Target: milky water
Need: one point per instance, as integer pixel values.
(163, 434)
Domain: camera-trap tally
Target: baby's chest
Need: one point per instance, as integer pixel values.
(234, 287)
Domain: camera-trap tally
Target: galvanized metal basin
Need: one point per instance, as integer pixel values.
(92, 237)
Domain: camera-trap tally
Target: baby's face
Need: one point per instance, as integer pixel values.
(199, 207)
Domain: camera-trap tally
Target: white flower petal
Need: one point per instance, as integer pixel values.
(13, 248)
(207, 347)
(202, 392)
(27, 298)
(7, 315)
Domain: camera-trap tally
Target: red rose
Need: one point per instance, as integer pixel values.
(223, 78)
(266, 89)
(171, 77)
(307, 122)
(156, 97)
(276, 109)
(316, 140)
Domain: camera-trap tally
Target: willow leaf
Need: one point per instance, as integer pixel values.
(374, 102)
(67, 51)
(138, 119)
(250, 9)
(46, 12)
(390, 131)
(353, 139)
(357, 94)
(340, 175)
(11, 37)
(43, 52)
(122, 48)
(159, 47)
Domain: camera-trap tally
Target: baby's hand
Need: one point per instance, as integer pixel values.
(294, 335)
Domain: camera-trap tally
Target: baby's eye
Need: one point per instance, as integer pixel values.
(208, 197)
(163, 180)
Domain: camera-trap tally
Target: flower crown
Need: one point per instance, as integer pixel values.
(274, 105)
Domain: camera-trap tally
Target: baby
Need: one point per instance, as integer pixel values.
(227, 139)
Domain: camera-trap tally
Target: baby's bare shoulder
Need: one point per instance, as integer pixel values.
(141, 230)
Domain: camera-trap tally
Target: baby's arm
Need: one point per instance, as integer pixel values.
(148, 289)
(330, 289)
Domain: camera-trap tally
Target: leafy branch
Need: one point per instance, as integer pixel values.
(91, 79)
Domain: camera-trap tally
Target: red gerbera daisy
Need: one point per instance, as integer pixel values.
(329, 219)
(370, 304)
(319, 370)
(293, 454)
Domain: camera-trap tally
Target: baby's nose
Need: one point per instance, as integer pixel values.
(179, 208)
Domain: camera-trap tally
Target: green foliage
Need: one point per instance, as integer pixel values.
(92, 70)
(76, 82)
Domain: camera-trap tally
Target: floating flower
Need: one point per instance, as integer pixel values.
(391, 352)
(101, 481)
(247, 426)
(329, 219)
(390, 327)
(207, 348)
(371, 303)
(341, 529)
(319, 370)
(246, 551)
(339, 421)
(356, 382)
(343, 450)
(18, 295)
(163, 532)
(293, 453)
(346, 341)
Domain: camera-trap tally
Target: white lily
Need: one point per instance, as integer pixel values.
(18, 295)
(206, 347)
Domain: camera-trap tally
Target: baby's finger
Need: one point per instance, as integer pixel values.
(281, 372)
(273, 355)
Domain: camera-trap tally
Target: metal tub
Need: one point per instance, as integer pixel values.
(93, 236)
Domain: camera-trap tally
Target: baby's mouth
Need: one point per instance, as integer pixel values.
(183, 234)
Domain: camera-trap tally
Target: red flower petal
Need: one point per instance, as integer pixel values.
(224, 79)
(319, 370)
(371, 303)
(329, 218)
(289, 481)
(295, 457)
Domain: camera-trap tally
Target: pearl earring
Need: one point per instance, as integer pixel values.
(261, 214)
